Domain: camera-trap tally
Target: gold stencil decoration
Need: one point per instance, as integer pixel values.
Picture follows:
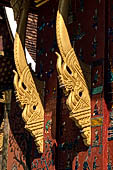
(71, 77)
(26, 92)
(1, 135)
(6, 99)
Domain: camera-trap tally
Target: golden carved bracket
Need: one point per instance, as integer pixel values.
(71, 77)
(26, 92)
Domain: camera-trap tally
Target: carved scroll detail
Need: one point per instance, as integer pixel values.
(27, 95)
(26, 91)
(71, 77)
(33, 113)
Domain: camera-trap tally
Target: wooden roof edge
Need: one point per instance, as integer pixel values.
(34, 7)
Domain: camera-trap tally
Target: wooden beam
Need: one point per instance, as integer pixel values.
(40, 2)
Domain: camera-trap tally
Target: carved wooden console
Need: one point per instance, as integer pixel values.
(71, 77)
(26, 92)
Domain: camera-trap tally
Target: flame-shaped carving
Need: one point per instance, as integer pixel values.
(71, 77)
(26, 92)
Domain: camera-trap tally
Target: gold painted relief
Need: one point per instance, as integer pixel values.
(71, 77)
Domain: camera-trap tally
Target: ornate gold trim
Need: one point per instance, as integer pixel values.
(26, 92)
(71, 77)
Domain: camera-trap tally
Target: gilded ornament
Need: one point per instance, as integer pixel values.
(26, 92)
(71, 77)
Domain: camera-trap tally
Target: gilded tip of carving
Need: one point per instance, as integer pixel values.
(14, 71)
(58, 54)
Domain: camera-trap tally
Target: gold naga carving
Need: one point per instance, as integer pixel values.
(71, 77)
(26, 92)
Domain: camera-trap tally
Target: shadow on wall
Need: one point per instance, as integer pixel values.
(20, 141)
(21, 144)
